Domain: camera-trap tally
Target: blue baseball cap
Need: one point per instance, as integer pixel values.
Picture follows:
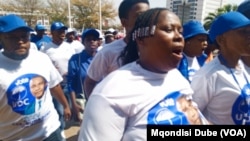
(226, 22)
(57, 26)
(244, 8)
(40, 27)
(12, 22)
(90, 31)
(193, 28)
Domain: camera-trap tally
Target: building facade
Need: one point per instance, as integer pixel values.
(194, 9)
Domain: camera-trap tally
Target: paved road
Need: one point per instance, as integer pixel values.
(71, 131)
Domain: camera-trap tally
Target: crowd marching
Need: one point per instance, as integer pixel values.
(159, 73)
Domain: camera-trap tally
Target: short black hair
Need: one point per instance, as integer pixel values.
(126, 5)
(145, 22)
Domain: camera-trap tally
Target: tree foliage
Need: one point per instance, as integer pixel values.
(211, 16)
(57, 10)
(28, 9)
(84, 13)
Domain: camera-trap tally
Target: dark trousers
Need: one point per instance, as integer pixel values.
(55, 136)
(59, 109)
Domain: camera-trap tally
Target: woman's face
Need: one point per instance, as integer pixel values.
(91, 43)
(162, 51)
(196, 45)
(236, 41)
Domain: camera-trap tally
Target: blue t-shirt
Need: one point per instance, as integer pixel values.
(41, 41)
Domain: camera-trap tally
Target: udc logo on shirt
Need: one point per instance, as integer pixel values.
(20, 95)
(191, 73)
(165, 116)
(241, 107)
(166, 111)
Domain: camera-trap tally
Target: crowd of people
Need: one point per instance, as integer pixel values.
(160, 73)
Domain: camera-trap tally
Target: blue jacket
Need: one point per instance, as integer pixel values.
(77, 72)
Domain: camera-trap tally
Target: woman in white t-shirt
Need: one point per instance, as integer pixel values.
(146, 89)
(221, 87)
(195, 37)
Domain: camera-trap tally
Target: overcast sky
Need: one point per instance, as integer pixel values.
(163, 3)
(235, 1)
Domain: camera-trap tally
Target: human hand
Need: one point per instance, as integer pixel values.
(78, 112)
(67, 114)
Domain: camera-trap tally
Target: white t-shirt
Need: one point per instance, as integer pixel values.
(33, 46)
(105, 61)
(247, 68)
(59, 55)
(21, 119)
(218, 93)
(77, 46)
(128, 99)
(193, 66)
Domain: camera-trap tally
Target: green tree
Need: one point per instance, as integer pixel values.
(86, 13)
(28, 9)
(57, 11)
(211, 16)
